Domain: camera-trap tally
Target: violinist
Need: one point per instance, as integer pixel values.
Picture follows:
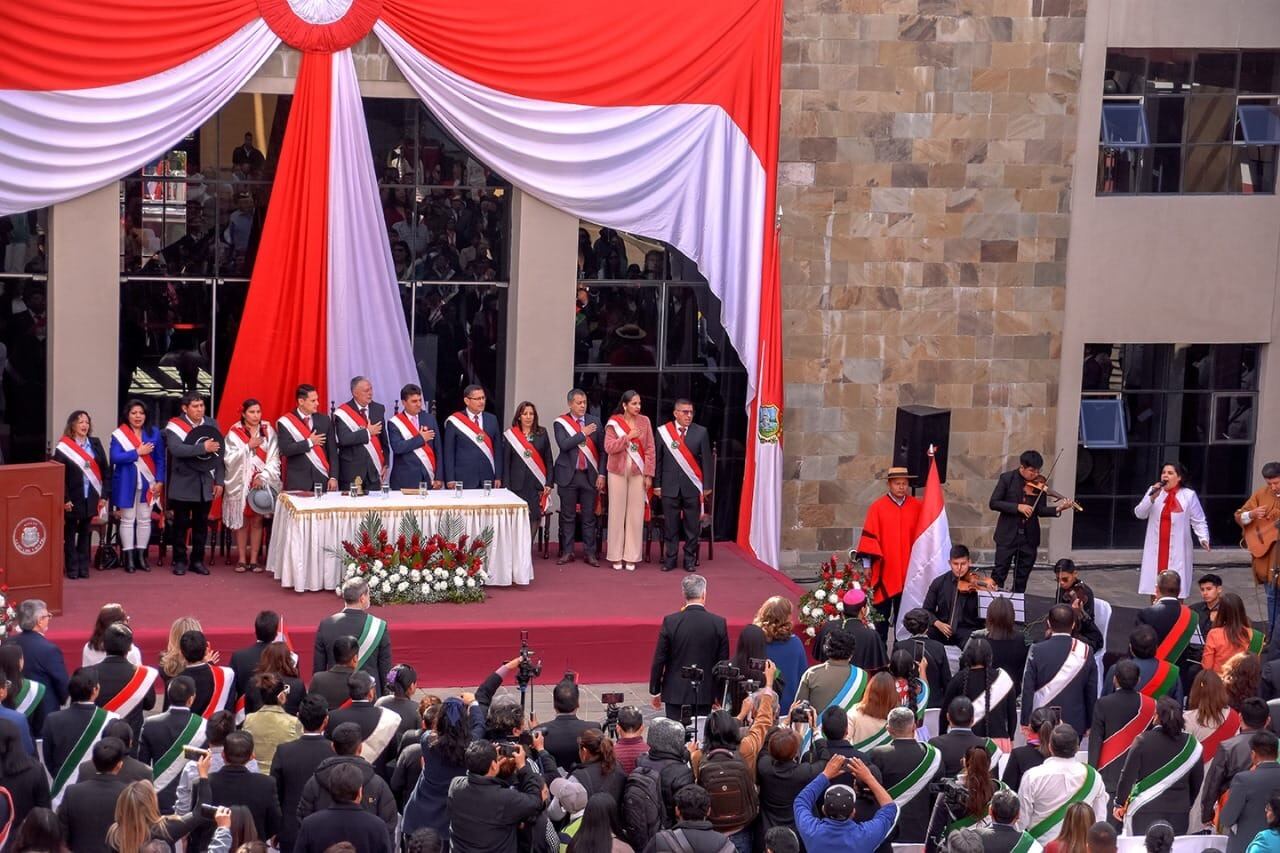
(953, 600)
(1021, 506)
(1074, 593)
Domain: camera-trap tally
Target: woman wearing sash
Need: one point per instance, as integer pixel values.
(1172, 512)
(1162, 775)
(86, 492)
(869, 718)
(978, 785)
(1233, 634)
(995, 712)
(252, 461)
(528, 463)
(628, 439)
(25, 694)
(137, 479)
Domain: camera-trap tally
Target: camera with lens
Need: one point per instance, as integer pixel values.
(953, 797)
(692, 673)
(749, 686)
(507, 749)
(612, 703)
(800, 713)
(726, 671)
(528, 669)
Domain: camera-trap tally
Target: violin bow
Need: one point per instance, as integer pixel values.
(1040, 494)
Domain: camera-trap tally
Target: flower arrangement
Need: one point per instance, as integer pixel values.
(8, 616)
(447, 566)
(825, 604)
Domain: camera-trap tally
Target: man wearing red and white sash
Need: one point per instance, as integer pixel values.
(195, 480)
(471, 443)
(682, 479)
(1119, 717)
(86, 490)
(303, 435)
(578, 475)
(358, 426)
(123, 688)
(215, 685)
(415, 453)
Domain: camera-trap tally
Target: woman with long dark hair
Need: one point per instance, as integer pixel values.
(979, 784)
(277, 660)
(628, 441)
(1034, 751)
(93, 652)
(25, 694)
(598, 830)
(1233, 633)
(751, 646)
(1172, 512)
(995, 712)
(1268, 840)
(252, 460)
(1162, 774)
(598, 768)
(403, 681)
(528, 464)
(1008, 644)
(40, 832)
(86, 489)
(443, 760)
(913, 691)
(137, 481)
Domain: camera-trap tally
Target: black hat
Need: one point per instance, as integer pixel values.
(837, 803)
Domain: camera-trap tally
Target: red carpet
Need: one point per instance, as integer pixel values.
(598, 622)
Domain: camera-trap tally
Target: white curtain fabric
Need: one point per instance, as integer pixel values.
(368, 334)
(682, 173)
(55, 146)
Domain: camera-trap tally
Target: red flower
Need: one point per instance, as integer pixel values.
(828, 609)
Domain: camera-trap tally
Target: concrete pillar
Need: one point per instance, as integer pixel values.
(84, 309)
(540, 313)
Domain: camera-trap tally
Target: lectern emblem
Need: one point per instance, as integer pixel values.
(29, 536)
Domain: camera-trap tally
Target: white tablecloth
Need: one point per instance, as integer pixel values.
(308, 532)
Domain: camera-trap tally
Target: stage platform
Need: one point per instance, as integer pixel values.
(598, 622)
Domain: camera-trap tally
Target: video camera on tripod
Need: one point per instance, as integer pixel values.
(527, 669)
(730, 674)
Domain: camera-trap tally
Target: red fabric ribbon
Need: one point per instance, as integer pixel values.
(1171, 506)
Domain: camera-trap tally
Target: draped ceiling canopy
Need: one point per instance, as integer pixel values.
(658, 118)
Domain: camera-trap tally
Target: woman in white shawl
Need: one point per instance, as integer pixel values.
(1172, 512)
(252, 460)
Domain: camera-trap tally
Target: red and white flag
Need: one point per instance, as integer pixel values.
(930, 548)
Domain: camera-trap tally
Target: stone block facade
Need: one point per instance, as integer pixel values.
(927, 150)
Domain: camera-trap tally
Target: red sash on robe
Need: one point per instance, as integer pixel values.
(1171, 506)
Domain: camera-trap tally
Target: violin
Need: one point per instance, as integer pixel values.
(973, 581)
(1040, 486)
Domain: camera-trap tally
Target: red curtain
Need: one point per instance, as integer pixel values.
(282, 337)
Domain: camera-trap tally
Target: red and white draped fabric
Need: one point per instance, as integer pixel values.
(674, 138)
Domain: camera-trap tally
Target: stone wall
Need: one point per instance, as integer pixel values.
(927, 150)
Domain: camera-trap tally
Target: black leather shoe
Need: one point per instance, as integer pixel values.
(179, 565)
(199, 568)
(566, 557)
(667, 568)
(143, 565)
(592, 561)
(129, 561)
(689, 568)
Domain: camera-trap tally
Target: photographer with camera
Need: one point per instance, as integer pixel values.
(499, 793)
(963, 801)
(836, 830)
(782, 777)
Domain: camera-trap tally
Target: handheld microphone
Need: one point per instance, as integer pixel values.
(1154, 489)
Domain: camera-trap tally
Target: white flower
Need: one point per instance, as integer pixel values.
(377, 565)
(805, 611)
(415, 576)
(460, 571)
(820, 594)
(837, 582)
(832, 617)
(386, 587)
(471, 583)
(809, 631)
(857, 585)
(441, 586)
(840, 606)
(402, 586)
(458, 582)
(351, 567)
(426, 588)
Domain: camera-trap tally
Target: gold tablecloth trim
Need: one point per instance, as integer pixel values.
(376, 504)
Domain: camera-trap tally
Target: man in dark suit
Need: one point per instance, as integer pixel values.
(354, 620)
(918, 621)
(116, 679)
(1114, 711)
(296, 761)
(64, 729)
(1205, 610)
(1233, 756)
(834, 725)
(415, 449)
(332, 682)
(360, 438)
(161, 732)
(955, 613)
(1244, 815)
(1077, 595)
(1003, 834)
(1018, 527)
(561, 732)
(131, 769)
(959, 737)
(1174, 629)
(378, 726)
(248, 155)
(1061, 671)
(302, 436)
(692, 637)
(471, 436)
(900, 759)
(1142, 652)
(236, 785)
(215, 685)
(579, 475)
(88, 807)
(377, 798)
(42, 660)
(266, 627)
(682, 478)
(195, 472)
(345, 820)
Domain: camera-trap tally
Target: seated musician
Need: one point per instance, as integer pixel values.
(953, 600)
(1076, 594)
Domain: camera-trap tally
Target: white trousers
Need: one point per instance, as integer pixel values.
(135, 523)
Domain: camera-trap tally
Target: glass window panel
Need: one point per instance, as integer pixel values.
(1138, 469)
(1227, 472)
(1122, 170)
(1260, 72)
(459, 339)
(1216, 71)
(1125, 72)
(1166, 171)
(1092, 528)
(1165, 118)
(1144, 414)
(1102, 423)
(1233, 417)
(1220, 513)
(1192, 456)
(616, 324)
(1207, 168)
(1191, 367)
(694, 333)
(24, 326)
(1124, 124)
(1255, 169)
(1259, 123)
(1129, 531)
(1168, 71)
(1235, 367)
(165, 336)
(1211, 119)
(1187, 417)
(1096, 471)
(682, 268)
(230, 295)
(1144, 366)
(1099, 369)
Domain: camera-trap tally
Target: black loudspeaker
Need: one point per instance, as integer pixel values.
(918, 427)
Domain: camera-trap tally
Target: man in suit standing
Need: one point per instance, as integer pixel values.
(1018, 527)
(360, 439)
(1156, 678)
(1003, 835)
(70, 734)
(1061, 671)
(561, 731)
(302, 436)
(1175, 625)
(372, 637)
(1118, 719)
(682, 479)
(88, 807)
(123, 688)
(959, 737)
(1232, 758)
(907, 767)
(266, 628)
(955, 613)
(471, 443)
(331, 685)
(164, 735)
(415, 452)
(1244, 815)
(41, 660)
(692, 637)
(378, 725)
(195, 472)
(215, 684)
(296, 761)
(578, 475)
(235, 784)
(345, 820)
(131, 769)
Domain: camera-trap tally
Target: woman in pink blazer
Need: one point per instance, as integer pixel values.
(628, 440)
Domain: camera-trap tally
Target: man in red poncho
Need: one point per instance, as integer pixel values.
(885, 546)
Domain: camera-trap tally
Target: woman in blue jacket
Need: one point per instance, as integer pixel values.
(137, 462)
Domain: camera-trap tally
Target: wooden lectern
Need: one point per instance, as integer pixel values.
(31, 527)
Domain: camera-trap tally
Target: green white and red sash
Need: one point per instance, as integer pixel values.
(908, 788)
(1152, 786)
(1078, 656)
(224, 680)
(355, 422)
(1229, 727)
(1161, 681)
(370, 638)
(462, 421)
(1048, 828)
(571, 426)
(69, 772)
(298, 429)
(29, 696)
(79, 457)
(167, 767)
(683, 456)
(424, 454)
(383, 732)
(969, 820)
(1118, 743)
(1256, 642)
(620, 427)
(1026, 844)
(125, 436)
(879, 738)
(143, 682)
(1000, 688)
(1176, 641)
(847, 697)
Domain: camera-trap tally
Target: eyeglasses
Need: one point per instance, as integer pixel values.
(479, 399)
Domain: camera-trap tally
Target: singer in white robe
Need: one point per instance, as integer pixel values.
(1172, 514)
